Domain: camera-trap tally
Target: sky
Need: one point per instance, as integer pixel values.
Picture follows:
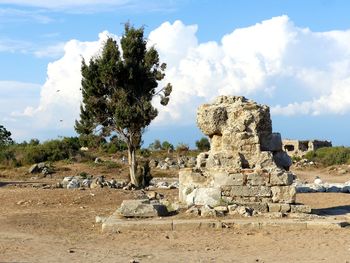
(292, 55)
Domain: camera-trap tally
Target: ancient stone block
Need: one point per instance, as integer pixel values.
(283, 194)
(222, 178)
(260, 191)
(224, 160)
(257, 206)
(300, 209)
(278, 207)
(281, 177)
(204, 196)
(142, 208)
(258, 179)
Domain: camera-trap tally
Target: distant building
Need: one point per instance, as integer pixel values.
(299, 148)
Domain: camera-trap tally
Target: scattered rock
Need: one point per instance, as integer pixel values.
(207, 211)
(100, 219)
(193, 211)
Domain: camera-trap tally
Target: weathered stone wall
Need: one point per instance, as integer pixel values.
(301, 147)
(245, 164)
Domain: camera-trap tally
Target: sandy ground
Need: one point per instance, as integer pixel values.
(58, 225)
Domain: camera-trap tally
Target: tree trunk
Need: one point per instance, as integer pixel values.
(133, 166)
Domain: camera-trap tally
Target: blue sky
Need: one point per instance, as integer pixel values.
(292, 55)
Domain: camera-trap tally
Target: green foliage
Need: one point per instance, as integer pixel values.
(5, 137)
(91, 140)
(203, 144)
(118, 88)
(54, 150)
(158, 145)
(167, 146)
(330, 155)
(145, 152)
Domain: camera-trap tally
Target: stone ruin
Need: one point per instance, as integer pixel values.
(245, 165)
(299, 148)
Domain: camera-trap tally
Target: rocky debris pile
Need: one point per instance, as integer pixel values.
(147, 204)
(43, 168)
(323, 187)
(247, 210)
(340, 170)
(169, 163)
(163, 183)
(304, 163)
(72, 182)
(245, 165)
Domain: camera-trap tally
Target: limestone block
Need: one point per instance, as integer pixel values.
(204, 196)
(257, 206)
(201, 160)
(222, 178)
(247, 191)
(258, 179)
(283, 194)
(263, 160)
(300, 209)
(211, 119)
(224, 160)
(189, 177)
(142, 208)
(276, 207)
(281, 177)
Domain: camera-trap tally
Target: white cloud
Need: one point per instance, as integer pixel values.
(8, 45)
(10, 15)
(53, 51)
(60, 96)
(92, 6)
(294, 69)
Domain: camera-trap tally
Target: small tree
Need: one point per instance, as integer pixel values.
(167, 146)
(203, 144)
(5, 137)
(118, 90)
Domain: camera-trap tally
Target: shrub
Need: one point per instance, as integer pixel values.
(167, 146)
(330, 155)
(145, 152)
(203, 144)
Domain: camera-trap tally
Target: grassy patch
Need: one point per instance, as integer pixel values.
(330, 155)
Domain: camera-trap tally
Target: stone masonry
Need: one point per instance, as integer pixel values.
(245, 165)
(299, 148)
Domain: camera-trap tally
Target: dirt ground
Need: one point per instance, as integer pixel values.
(58, 225)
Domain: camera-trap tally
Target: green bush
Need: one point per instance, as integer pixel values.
(34, 152)
(203, 144)
(330, 155)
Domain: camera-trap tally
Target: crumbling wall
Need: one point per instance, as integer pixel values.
(246, 163)
(301, 147)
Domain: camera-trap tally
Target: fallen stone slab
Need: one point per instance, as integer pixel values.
(142, 208)
(114, 224)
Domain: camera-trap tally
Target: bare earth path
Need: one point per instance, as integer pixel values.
(43, 225)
